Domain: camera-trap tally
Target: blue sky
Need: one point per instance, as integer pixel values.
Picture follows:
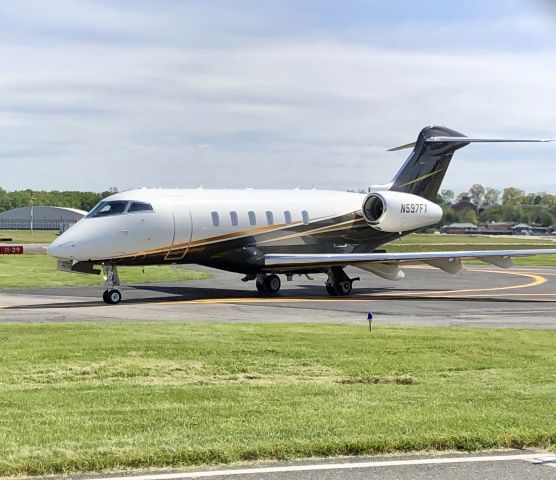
(175, 93)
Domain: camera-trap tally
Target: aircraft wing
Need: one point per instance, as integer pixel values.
(447, 261)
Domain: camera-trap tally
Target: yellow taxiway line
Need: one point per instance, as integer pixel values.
(476, 292)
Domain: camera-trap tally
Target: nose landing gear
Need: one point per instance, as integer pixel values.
(111, 295)
(338, 282)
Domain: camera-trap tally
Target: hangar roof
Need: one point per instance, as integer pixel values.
(47, 212)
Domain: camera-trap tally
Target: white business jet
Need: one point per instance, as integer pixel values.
(266, 233)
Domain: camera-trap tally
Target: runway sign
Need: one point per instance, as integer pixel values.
(11, 249)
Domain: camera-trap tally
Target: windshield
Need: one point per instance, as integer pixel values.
(104, 209)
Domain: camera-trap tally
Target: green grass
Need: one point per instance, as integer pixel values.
(435, 239)
(429, 242)
(26, 236)
(92, 397)
(37, 270)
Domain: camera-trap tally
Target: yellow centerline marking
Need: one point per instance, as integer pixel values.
(477, 292)
(268, 300)
(537, 280)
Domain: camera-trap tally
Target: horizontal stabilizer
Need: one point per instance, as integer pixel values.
(469, 140)
(403, 147)
(482, 140)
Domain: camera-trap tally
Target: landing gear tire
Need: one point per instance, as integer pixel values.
(112, 297)
(343, 288)
(261, 287)
(338, 282)
(269, 285)
(272, 283)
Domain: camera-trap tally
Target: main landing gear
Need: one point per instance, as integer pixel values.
(111, 295)
(338, 282)
(268, 284)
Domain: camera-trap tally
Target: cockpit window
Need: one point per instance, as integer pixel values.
(140, 207)
(105, 209)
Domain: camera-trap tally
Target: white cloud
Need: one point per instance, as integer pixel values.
(156, 106)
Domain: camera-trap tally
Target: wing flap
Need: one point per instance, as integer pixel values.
(320, 260)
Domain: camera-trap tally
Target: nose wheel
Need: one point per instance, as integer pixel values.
(112, 297)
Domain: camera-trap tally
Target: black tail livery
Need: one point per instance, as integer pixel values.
(423, 171)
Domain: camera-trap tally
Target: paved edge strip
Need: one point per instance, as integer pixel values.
(537, 458)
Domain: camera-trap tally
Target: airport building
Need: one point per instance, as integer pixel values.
(40, 218)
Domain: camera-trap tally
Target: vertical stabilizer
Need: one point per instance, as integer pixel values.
(423, 171)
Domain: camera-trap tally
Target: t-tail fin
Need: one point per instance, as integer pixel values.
(423, 171)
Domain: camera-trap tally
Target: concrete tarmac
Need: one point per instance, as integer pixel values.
(481, 297)
(508, 465)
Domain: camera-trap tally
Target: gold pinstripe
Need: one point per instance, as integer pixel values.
(245, 233)
(316, 231)
(422, 177)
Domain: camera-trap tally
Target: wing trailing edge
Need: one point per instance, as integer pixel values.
(500, 258)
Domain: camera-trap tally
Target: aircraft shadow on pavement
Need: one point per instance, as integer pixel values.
(177, 294)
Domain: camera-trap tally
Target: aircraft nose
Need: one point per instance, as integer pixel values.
(61, 248)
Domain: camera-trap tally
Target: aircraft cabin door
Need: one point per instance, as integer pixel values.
(182, 232)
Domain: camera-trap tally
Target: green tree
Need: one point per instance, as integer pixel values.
(491, 197)
(449, 216)
(512, 196)
(447, 196)
(491, 214)
(477, 194)
(468, 216)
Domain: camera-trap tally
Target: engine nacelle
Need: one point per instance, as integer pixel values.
(399, 212)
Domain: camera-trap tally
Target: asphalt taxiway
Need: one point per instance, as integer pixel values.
(508, 465)
(482, 296)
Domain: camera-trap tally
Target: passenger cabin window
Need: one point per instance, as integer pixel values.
(305, 216)
(140, 207)
(105, 209)
(269, 217)
(288, 217)
(252, 217)
(233, 218)
(215, 219)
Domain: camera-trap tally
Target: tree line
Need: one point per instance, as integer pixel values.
(508, 205)
(71, 199)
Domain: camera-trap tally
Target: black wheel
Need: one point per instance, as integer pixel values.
(112, 297)
(331, 289)
(261, 287)
(343, 288)
(272, 283)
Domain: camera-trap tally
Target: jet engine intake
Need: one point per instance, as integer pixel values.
(399, 212)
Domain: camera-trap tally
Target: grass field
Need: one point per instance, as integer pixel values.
(91, 397)
(36, 270)
(435, 239)
(429, 242)
(25, 236)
